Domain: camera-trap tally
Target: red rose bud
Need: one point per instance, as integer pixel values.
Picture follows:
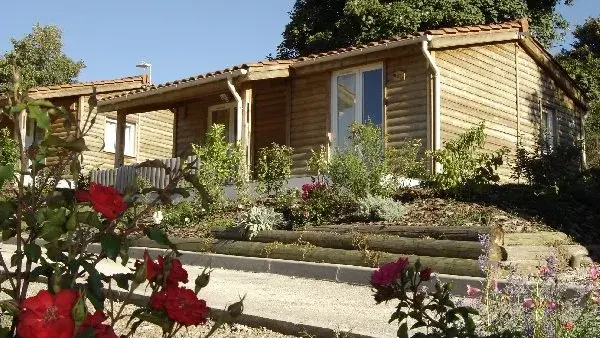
(79, 311)
(202, 280)
(236, 309)
(425, 275)
(141, 273)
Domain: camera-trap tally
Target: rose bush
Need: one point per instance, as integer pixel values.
(52, 228)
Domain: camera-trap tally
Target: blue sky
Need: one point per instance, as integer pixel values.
(179, 38)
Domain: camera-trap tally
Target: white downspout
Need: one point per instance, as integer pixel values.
(437, 99)
(238, 100)
(583, 156)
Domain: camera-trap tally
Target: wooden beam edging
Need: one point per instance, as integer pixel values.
(307, 253)
(361, 241)
(436, 232)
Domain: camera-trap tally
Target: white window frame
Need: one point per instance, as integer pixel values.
(358, 117)
(550, 132)
(231, 106)
(130, 148)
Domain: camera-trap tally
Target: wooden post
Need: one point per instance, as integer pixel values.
(120, 139)
(247, 126)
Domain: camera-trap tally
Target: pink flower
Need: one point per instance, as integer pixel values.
(594, 272)
(495, 285)
(388, 273)
(528, 303)
(595, 297)
(471, 291)
(569, 325)
(552, 305)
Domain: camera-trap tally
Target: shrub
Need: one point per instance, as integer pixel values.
(548, 166)
(9, 148)
(464, 162)
(323, 203)
(260, 218)
(361, 168)
(273, 168)
(404, 159)
(376, 208)
(318, 164)
(181, 214)
(219, 162)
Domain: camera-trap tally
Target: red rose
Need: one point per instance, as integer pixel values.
(181, 305)
(46, 315)
(388, 273)
(95, 323)
(152, 269)
(105, 200)
(425, 274)
(176, 274)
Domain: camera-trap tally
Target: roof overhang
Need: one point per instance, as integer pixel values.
(163, 95)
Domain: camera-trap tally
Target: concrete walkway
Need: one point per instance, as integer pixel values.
(276, 301)
(314, 303)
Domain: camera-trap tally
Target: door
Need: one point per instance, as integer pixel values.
(223, 114)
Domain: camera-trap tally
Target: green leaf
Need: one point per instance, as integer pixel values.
(17, 108)
(94, 287)
(52, 228)
(122, 280)
(41, 117)
(403, 330)
(6, 172)
(160, 237)
(33, 252)
(41, 103)
(7, 209)
(90, 218)
(53, 141)
(87, 333)
(111, 245)
(16, 258)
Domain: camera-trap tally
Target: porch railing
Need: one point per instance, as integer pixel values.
(123, 176)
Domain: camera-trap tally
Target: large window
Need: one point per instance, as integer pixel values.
(110, 137)
(357, 96)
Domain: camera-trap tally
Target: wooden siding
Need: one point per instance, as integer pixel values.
(537, 87)
(192, 121)
(309, 117)
(405, 100)
(479, 84)
(268, 118)
(153, 133)
(57, 126)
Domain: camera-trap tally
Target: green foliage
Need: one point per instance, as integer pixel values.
(39, 56)
(219, 162)
(181, 214)
(362, 168)
(273, 168)
(323, 204)
(464, 162)
(9, 148)
(318, 163)
(404, 159)
(375, 208)
(582, 61)
(548, 167)
(260, 218)
(317, 26)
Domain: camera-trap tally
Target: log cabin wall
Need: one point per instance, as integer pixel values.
(405, 102)
(501, 85)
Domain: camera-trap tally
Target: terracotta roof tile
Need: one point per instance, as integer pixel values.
(437, 32)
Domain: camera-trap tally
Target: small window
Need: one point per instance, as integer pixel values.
(110, 137)
(357, 96)
(548, 126)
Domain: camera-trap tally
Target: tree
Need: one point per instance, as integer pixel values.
(582, 61)
(321, 25)
(40, 59)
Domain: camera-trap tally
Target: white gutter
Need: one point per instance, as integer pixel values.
(583, 156)
(166, 89)
(437, 100)
(238, 100)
